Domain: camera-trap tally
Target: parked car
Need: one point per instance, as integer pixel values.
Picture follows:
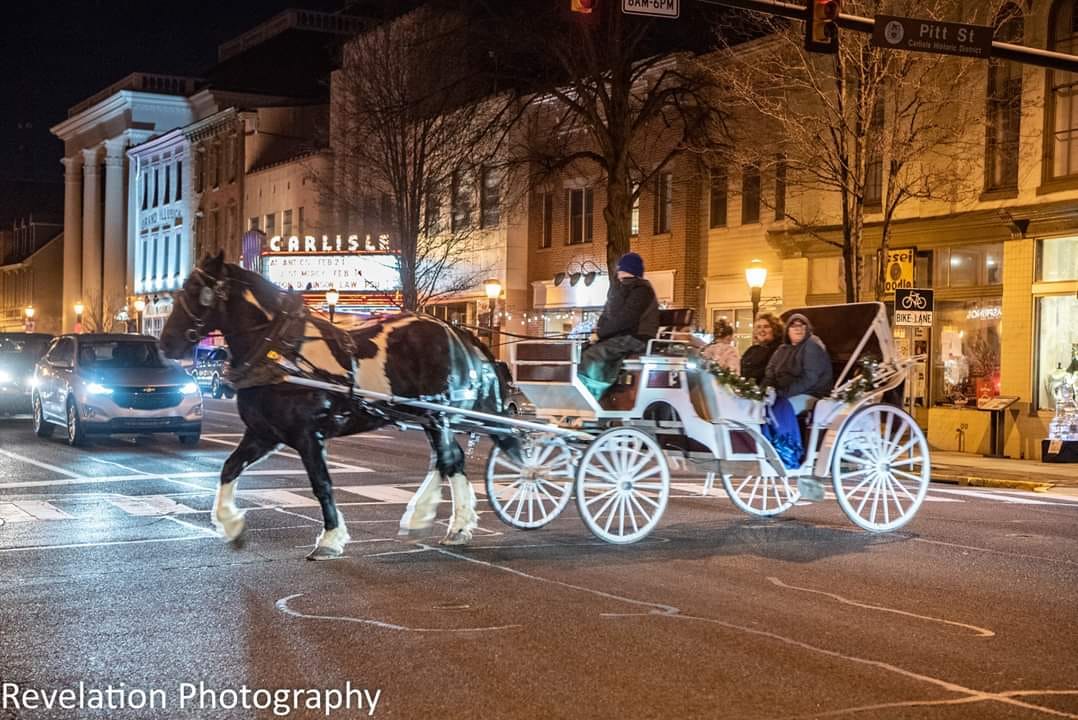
(516, 402)
(18, 353)
(111, 383)
(209, 371)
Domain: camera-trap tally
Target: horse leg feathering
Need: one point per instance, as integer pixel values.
(423, 507)
(225, 516)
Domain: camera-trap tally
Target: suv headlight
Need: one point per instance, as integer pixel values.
(98, 389)
(189, 389)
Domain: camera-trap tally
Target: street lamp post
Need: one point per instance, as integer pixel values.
(756, 277)
(140, 307)
(493, 288)
(79, 307)
(332, 296)
(29, 318)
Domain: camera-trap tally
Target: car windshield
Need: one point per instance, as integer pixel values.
(119, 354)
(19, 345)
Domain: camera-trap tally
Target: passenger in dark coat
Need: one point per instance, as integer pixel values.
(766, 338)
(630, 318)
(801, 365)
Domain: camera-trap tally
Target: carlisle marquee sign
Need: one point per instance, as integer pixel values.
(362, 266)
(328, 244)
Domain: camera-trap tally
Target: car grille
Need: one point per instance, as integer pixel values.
(141, 398)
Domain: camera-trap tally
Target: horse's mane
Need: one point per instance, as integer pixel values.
(267, 294)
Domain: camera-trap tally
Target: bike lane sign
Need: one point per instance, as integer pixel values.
(914, 306)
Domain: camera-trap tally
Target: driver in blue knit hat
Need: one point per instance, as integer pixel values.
(630, 318)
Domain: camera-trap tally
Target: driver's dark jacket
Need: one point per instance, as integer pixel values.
(631, 309)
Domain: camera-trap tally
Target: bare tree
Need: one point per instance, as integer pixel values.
(99, 316)
(609, 97)
(415, 137)
(869, 128)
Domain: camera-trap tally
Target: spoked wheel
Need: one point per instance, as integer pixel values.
(770, 491)
(622, 485)
(530, 494)
(881, 468)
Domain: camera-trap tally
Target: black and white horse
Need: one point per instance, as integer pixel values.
(413, 356)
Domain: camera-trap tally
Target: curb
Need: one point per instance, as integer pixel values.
(978, 481)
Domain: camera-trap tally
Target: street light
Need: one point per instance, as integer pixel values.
(29, 318)
(756, 277)
(332, 296)
(140, 307)
(493, 288)
(79, 307)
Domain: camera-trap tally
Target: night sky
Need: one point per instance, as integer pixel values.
(58, 53)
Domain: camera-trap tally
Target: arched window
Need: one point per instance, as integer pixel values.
(1062, 151)
(1004, 107)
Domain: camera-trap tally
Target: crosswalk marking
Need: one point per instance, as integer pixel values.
(382, 493)
(11, 513)
(148, 505)
(281, 498)
(41, 510)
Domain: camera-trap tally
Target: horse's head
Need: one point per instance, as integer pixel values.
(199, 306)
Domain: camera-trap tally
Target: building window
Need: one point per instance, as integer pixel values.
(155, 270)
(634, 214)
(969, 266)
(252, 223)
(166, 196)
(461, 202)
(1057, 259)
(156, 185)
(286, 223)
(717, 214)
(231, 220)
(166, 242)
(1062, 150)
(200, 168)
(179, 179)
(230, 158)
(176, 270)
(490, 199)
(302, 223)
(750, 195)
(780, 188)
(874, 161)
(580, 216)
(145, 261)
(1057, 345)
(1004, 115)
(546, 218)
(664, 202)
(968, 350)
(271, 224)
(215, 165)
(145, 189)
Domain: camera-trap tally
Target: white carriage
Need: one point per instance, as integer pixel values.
(614, 455)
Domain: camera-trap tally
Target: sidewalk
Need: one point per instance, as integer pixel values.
(968, 469)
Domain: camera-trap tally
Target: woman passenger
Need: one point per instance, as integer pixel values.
(766, 338)
(722, 350)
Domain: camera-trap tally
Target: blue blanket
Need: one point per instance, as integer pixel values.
(784, 433)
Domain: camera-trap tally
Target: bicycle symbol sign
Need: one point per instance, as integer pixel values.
(913, 306)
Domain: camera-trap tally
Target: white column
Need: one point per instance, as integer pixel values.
(72, 240)
(91, 236)
(115, 237)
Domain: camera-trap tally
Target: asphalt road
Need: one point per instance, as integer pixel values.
(110, 573)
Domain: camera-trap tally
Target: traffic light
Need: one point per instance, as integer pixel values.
(821, 27)
(582, 6)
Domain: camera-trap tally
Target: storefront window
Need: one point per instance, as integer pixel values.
(570, 322)
(742, 322)
(1057, 345)
(1058, 259)
(969, 266)
(968, 350)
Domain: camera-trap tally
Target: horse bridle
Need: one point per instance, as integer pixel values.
(210, 297)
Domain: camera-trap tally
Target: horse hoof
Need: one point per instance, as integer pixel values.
(325, 553)
(460, 537)
(232, 528)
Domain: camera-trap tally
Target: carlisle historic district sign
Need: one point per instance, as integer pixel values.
(653, 8)
(901, 33)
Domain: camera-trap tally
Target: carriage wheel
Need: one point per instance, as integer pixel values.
(530, 494)
(880, 468)
(770, 492)
(622, 485)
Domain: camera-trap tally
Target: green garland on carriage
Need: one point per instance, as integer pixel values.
(740, 386)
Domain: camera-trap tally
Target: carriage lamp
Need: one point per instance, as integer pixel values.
(756, 277)
(79, 307)
(332, 296)
(140, 307)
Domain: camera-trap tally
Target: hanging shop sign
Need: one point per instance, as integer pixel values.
(898, 270)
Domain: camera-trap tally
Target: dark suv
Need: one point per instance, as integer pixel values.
(18, 353)
(209, 371)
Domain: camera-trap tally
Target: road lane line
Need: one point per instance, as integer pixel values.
(133, 478)
(284, 453)
(191, 526)
(148, 505)
(38, 463)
